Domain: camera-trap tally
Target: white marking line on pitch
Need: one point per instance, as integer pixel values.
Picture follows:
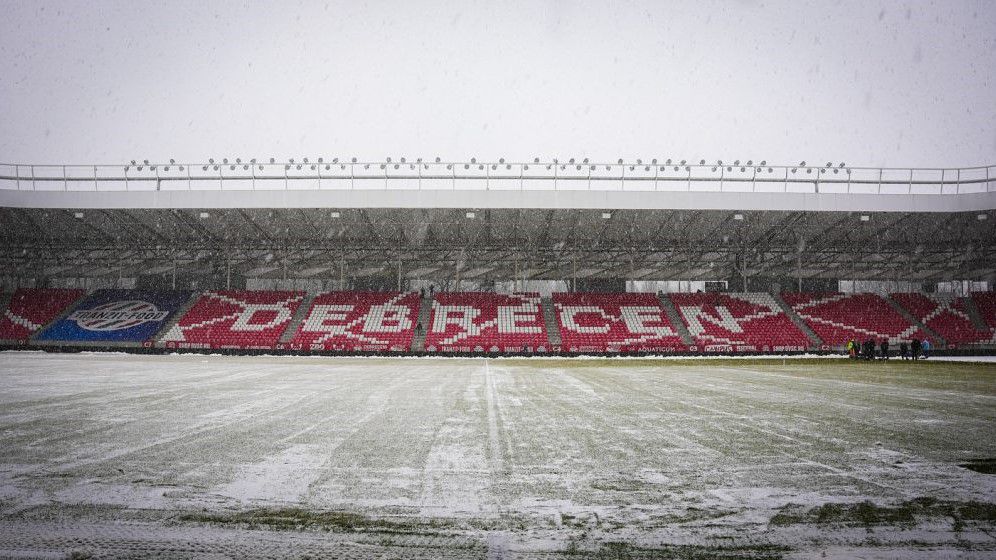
(494, 440)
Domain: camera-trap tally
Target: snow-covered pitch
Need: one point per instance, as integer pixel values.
(116, 455)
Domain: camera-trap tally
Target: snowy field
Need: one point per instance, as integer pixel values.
(112, 455)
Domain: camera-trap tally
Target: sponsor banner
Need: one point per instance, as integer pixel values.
(117, 316)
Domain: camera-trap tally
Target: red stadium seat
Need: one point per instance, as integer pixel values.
(620, 322)
(234, 319)
(837, 317)
(486, 322)
(31, 309)
(359, 321)
(751, 322)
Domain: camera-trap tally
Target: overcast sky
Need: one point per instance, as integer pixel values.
(866, 82)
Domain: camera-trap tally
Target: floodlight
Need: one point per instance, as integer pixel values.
(334, 215)
(720, 162)
(353, 160)
(321, 160)
(619, 161)
(272, 160)
(865, 217)
(253, 161)
(763, 162)
(738, 217)
(535, 160)
(470, 215)
(438, 160)
(225, 161)
(639, 161)
(388, 160)
(501, 160)
(683, 162)
(571, 161)
(842, 165)
(585, 161)
(145, 161)
(403, 160)
(211, 161)
(982, 217)
(172, 161)
(205, 215)
(737, 162)
(291, 160)
(133, 162)
(606, 215)
(802, 163)
(79, 215)
(473, 160)
(750, 162)
(829, 164)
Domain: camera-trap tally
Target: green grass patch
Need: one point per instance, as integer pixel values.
(868, 514)
(297, 519)
(625, 551)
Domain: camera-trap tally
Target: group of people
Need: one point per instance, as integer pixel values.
(915, 349)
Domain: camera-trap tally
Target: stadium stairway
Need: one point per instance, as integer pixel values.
(424, 312)
(676, 320)
(550, 318)
(914, 321)
(65, 313)
(168, 325)
(973, 314)
(299, 315)
(814, 340)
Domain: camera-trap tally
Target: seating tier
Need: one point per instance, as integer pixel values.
(31, 309)
(614, 322)
(486, 322)
(945, 314)
(238, 319)
(838, 317)
(359, 321)
(749, 322)
(985, 302)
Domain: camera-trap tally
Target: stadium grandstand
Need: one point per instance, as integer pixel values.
(560, 257)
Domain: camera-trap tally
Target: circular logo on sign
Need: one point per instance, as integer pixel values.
(117, 315)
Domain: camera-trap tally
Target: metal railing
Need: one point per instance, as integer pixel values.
(556, 175)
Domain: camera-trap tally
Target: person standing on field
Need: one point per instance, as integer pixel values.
(915, 349)
(926, 348)
(904, 350)
(885, 348)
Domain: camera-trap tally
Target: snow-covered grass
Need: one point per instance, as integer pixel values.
(499, 458)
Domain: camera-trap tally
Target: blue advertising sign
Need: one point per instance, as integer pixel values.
(117, 316)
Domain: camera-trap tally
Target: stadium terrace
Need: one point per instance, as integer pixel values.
(437, 258)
